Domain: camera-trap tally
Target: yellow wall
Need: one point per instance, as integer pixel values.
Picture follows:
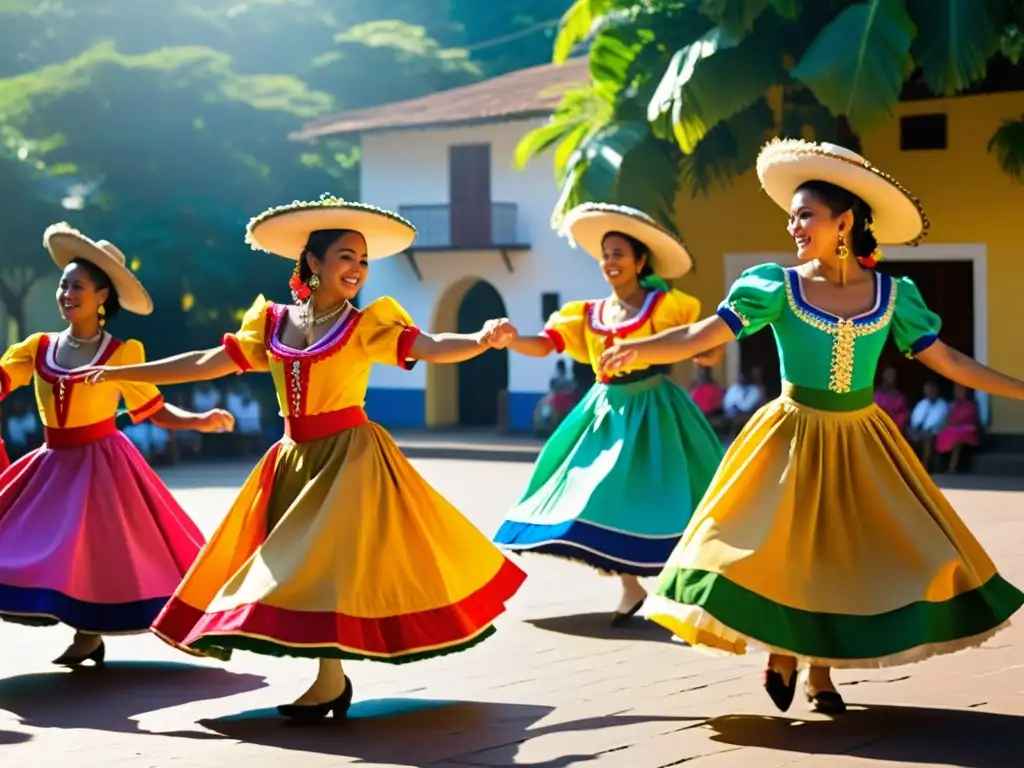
(967, 197)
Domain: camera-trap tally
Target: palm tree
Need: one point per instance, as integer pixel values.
(686, 91)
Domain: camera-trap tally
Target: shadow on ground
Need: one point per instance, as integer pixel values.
(105, 698)
(597, 626)
(13, 737)
(910, 735)
(417, 732)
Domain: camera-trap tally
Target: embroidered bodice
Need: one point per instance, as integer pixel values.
(333, 373)
(817, 349)
(580, 328)
(64, 403)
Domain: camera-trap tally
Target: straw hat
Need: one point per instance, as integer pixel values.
(587, 224)
(285, 230)
(65, 243)
(784, 164)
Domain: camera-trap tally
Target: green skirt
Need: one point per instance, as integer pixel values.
(617, 483)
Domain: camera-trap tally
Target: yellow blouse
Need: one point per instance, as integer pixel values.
(333, 373)
(579, 328)
(64, 403)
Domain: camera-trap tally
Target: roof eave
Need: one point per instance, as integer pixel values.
(326, 131)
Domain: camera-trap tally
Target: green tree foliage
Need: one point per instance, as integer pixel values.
(163, 127)
(688, 81)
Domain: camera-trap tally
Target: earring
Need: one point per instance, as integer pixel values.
(841, 250)
(103, 315)
(314, 283)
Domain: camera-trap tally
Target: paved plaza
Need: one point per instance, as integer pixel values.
(554, 688)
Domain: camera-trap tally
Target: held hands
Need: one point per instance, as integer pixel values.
(616, 358)
(498, 334)
(217, 420)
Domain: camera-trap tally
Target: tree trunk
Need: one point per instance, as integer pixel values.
(14, 287)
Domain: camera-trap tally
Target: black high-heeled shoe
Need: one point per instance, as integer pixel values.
(619, 618)
(826, 702)
(96, 656)
(775, 686)
(314, 713)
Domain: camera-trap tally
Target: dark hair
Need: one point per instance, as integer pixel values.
(100, 280)
(639, 250)
(317, 245)
(838, 200)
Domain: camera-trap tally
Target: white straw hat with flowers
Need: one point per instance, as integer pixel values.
(66, 243)
(784, 164)
(285, 230)
(586, 226)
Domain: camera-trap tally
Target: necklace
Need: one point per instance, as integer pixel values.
(620, 309)
(75, 342)
(310, 321)
(330, 314)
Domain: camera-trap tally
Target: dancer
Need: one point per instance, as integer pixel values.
(822, 539)
(615, 485)
(89, 535)
(336, 548)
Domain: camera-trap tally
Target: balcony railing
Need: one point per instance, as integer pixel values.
(436, 230)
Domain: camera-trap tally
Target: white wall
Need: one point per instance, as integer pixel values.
(411, 168)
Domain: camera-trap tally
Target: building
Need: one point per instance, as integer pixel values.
(485, 247)
(445, 161)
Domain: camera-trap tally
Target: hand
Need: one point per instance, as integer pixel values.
(96, 374)
(615, 358)
(498, 334)
(217, 420)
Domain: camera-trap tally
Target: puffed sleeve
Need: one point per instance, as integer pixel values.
(755, 300)
(914, 326)
(140, 400)
(387, 333)
(248, 346)
(675, 309)
(18, 364)
(566, 328)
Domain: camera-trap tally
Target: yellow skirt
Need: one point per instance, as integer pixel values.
(338, 548)
(823, 537)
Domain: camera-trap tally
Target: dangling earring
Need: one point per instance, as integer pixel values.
(103, 315)
(314, 282)
(844, 254)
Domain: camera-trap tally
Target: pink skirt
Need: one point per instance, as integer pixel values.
(90, 537)
(950, 437)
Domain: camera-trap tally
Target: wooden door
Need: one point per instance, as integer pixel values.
(469, 193)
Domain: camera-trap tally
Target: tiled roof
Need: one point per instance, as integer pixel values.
(526, 92)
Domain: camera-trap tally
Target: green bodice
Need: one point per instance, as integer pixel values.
(818, 350)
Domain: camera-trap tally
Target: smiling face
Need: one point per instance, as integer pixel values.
(344, 267)
(78, 297)
(619, 264)
(814, 227)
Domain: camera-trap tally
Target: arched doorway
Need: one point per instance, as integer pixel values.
(482, 379)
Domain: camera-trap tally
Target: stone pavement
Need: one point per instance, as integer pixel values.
(553, 688)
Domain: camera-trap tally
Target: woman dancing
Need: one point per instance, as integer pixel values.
(822, 539)
(615, 485)
(336, 548)
(89, 535)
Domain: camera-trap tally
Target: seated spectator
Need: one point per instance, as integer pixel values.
(152, 441)
(963, 427)
(889, 398)
(742, 398)
(926, 420)
(24, 430)
(709, 396)
(248, 419)
(556, 404)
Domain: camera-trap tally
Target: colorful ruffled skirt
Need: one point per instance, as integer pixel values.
(337, 548)
(823, 537)
(89, 535)
(616, 484)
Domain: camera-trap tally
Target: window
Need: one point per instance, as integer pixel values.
(549, 304)
(923, 132)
